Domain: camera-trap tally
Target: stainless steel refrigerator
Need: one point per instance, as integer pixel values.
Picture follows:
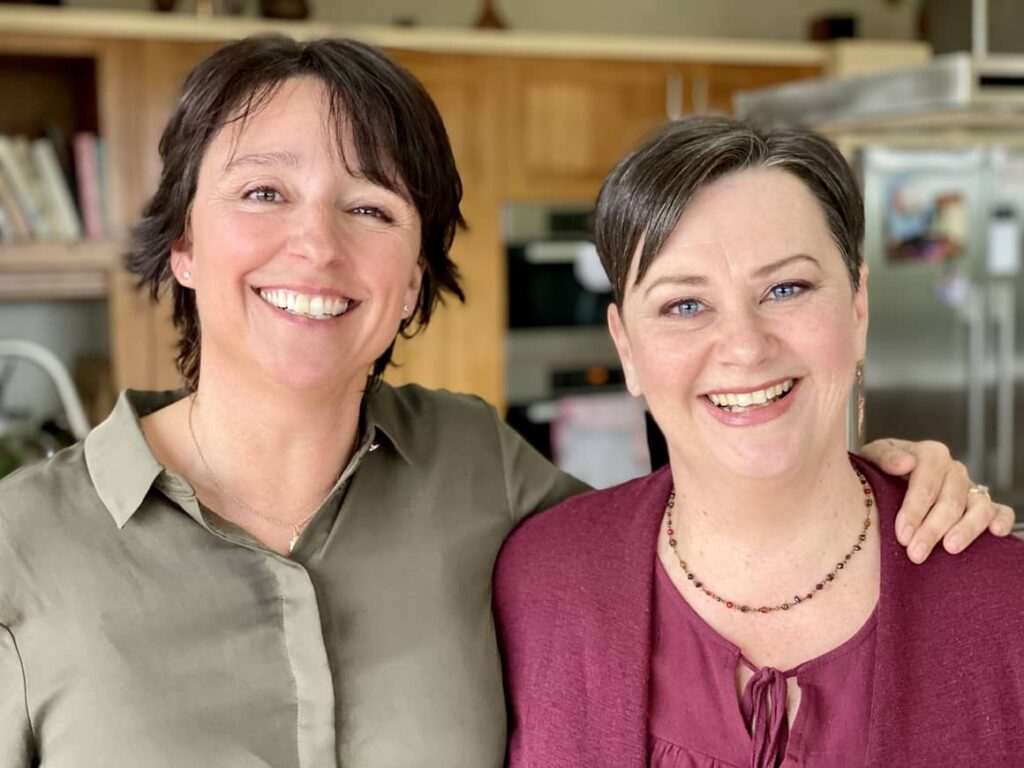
(945, 361)
(940, 150)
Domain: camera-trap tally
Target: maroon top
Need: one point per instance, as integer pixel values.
(697, 721)
(573, 602)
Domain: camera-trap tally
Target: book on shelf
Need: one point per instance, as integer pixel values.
(63, 214)
(49, 193)
(88, 152)
(15, 219)
(16, 164)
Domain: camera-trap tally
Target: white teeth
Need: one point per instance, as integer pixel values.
(745, 401)
(311, 306)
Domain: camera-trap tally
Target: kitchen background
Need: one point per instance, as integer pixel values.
(538, 112)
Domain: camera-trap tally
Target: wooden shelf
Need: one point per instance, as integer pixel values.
(47, 270)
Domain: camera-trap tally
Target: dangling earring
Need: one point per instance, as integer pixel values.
(858, 389)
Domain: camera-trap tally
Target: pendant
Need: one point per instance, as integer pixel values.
(296, 532)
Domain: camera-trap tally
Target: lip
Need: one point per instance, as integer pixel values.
(757, 415)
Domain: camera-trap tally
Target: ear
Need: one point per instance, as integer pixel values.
(182, 261)
(617, 328)
(860, 313)
(412, 290)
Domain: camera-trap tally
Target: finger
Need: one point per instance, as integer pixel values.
(935, 472)
(946, 512)
(1002, 520)
(975, 521)
(894, 457)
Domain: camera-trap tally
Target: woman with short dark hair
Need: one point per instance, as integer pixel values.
(288, 562)
(748, 604)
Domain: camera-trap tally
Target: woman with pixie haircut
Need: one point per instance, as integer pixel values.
(749, 604)
(288, 562)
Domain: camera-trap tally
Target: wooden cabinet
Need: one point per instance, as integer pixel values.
(571, 121)
(462, 348)
(526, 124)
(713, 85)
(151, 73)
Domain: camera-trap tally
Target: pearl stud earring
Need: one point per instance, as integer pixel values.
(186, 275)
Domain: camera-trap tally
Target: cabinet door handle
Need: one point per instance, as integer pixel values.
(674, 102)
(1003, 311)
(974, 314)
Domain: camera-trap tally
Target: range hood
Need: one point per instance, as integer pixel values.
(954, 90)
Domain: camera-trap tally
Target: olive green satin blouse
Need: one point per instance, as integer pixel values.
(138, 630)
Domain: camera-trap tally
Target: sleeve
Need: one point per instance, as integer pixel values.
(16, 743)
(532, 483)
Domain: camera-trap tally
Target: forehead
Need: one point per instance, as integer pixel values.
(762, 203)
(753, 215)
(293, 111)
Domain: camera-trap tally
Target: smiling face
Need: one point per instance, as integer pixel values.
(300, 268)
(745, 332)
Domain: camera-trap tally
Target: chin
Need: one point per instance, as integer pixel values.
(767, 460)
(306, 376)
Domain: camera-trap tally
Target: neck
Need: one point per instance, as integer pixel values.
(271, 446)
(788, 529)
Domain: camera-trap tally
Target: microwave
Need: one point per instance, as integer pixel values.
(555, 279)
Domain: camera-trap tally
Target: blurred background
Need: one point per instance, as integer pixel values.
(926, 98)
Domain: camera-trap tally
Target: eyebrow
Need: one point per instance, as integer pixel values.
(700, 280)
(263, 159)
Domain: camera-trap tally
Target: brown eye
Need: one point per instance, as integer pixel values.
(370, 210)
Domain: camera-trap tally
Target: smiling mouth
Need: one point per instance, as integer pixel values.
(312, 306)
(741, 402)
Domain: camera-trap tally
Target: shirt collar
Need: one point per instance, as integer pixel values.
(123, 468)
(387, 414)
(119, 459)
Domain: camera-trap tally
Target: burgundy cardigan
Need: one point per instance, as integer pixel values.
(572, 597)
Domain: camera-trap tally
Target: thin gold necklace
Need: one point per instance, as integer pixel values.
(734, 605)
(296, 528)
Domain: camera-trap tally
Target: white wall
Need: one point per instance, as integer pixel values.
(766, 19)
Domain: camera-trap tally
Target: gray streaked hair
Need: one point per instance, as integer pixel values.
(645, 194)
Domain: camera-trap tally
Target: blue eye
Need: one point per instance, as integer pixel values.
(784, 291)
(686, 308)
(263, 195)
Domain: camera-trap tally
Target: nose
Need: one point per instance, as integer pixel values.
(747, 338)
(316, 234)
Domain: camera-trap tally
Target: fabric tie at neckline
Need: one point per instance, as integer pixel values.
(764, 711)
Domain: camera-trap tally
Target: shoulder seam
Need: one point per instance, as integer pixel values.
(501, 452)
(24, 682)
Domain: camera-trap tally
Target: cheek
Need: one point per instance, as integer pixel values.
(831, 341)
(667, 361)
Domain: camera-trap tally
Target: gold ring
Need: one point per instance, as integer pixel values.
(979, 489)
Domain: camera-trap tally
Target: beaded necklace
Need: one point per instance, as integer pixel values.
(869, 502)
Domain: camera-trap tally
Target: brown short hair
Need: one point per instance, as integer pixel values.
(645, 194)
(399, 140)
